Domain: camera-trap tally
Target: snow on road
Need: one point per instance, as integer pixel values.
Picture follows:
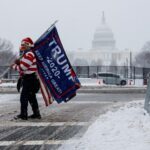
(8, 98)
(126, 129)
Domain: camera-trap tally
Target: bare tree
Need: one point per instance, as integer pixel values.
(80, 62)
(99, 62)
(113, 62)
(142, 59)
(6, 52)
(93, 63)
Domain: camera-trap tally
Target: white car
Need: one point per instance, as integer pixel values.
(110, 78)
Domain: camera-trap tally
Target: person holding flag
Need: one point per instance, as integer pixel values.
(27, 68)
(47, 59)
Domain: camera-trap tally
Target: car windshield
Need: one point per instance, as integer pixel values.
(108, 75)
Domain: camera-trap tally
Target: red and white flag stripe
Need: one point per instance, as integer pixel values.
(45, 92)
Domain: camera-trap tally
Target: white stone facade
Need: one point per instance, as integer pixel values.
(96, 58)
(103, 51)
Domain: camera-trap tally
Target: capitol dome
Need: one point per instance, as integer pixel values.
(103, 37)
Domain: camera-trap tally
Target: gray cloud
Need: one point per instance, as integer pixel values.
(78, 19)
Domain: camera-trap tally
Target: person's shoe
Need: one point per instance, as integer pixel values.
(34, 116)
(23, 117)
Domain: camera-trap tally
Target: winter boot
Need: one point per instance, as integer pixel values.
(35, 115)
(20, 116)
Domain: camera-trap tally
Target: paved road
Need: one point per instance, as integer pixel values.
(60, 123)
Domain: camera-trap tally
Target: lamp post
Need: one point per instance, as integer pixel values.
(130, 65)
(127, 67)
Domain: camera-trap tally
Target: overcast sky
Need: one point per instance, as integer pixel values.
(78, 19)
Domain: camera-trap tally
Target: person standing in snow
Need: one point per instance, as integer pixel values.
(26, 66)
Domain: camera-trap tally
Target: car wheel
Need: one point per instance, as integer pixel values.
(123, 82)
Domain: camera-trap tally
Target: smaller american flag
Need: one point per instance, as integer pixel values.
(45, 92)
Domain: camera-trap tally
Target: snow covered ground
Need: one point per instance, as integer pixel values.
(8, 84)
(99, 82)
(126, 129)
(88, 82)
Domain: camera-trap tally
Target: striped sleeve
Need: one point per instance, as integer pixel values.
(16, 67)
(26, 61)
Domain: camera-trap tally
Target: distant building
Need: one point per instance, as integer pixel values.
(103, 37)
(103, 51)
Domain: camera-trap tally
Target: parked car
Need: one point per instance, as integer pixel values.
(111, 78)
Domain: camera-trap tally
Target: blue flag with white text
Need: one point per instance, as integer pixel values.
(54, 67)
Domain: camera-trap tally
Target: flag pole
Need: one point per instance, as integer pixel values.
(51, 27)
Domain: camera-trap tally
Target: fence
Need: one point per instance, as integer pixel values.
(134, 75)
(7, 73)
(124, 71)
(88, 71)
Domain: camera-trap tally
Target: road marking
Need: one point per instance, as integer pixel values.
(41, 124)
(6, 143)
(90, 102)
(37, 142)
(50, 142)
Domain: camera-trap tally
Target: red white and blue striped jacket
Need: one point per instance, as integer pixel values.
(27, 64)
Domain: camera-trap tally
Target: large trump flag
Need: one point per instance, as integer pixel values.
(57, 77)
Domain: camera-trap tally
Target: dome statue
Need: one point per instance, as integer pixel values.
(103, 37)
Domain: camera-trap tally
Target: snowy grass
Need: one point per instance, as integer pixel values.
(126, 129)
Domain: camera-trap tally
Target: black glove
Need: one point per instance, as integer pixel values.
(19, 84)
(17, 61)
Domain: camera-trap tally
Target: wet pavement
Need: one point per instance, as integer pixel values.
(60, 124)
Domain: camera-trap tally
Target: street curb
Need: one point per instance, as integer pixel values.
(112, 89)
(89, 89)
(116, 91)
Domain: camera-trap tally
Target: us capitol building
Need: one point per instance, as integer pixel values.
(103, 51)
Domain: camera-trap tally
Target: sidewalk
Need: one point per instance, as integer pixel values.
(87, 88)
(111, 89)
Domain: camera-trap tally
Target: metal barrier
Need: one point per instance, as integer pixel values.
(127, 72)
(7, 73)
(132, 74)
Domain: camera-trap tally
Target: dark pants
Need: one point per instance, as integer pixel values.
(30, 85)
